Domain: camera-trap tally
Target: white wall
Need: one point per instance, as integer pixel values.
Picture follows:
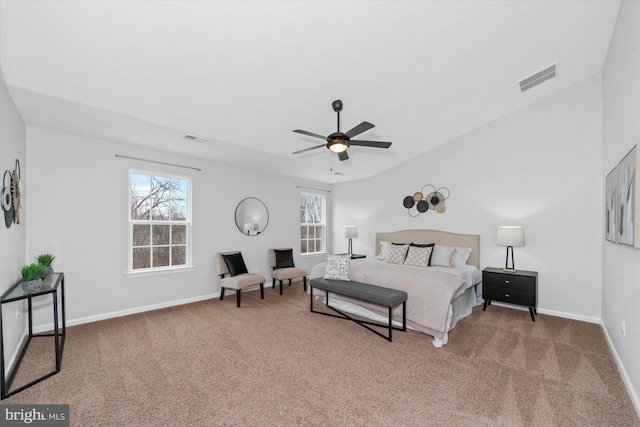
(77, 210)
(539, 167)
(12, 240)
(621, 129)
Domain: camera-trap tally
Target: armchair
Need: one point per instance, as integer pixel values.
(283, 268)
(234, 275)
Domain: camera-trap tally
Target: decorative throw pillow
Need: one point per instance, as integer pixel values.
(235, 264)
(337, 267)
(397, 253)
(443, 256)
(424, 245)
(418, 256)
(461, 256)
(284, 258)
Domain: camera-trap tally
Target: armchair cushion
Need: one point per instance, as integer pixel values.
(235, 264)
(242, 281)
(288, 273)
(284, 258)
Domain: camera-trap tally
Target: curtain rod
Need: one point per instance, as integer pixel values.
(313, 188)
(120, 156)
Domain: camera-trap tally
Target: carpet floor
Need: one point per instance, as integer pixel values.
(273, 363)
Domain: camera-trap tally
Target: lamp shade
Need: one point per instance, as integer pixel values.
(351, 232)
(510, 235)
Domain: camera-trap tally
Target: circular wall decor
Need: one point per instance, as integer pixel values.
(434, 200)
(7, 200)
(408, 202)
(15, 191)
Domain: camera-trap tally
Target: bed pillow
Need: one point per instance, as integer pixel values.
(337, 267)
(384, 250)
(235, 264)
(397, 253)
(418, 256)
(443, 256)
(461, 256)
(424, 245)
(284, 258)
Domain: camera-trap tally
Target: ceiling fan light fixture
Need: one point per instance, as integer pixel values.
(338, 146)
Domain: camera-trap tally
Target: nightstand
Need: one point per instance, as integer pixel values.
(354, 256)
(520, 288)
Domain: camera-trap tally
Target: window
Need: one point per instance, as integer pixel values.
(312, 223)
(159, 222)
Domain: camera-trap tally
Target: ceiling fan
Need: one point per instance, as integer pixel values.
(338, 142)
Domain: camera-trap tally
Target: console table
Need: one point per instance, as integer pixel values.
(51, 284)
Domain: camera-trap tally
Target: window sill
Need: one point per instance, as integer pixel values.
(314, 254)
(160, 271)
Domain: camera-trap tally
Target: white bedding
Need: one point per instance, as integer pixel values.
(437, 296)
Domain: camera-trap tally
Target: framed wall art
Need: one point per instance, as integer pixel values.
(628, 217)
(611, 204)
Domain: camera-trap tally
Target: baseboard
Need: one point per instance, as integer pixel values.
(571, 316)
(623, 372)
(12, 361)
(555, 313)
(127, 312)
(136, 310)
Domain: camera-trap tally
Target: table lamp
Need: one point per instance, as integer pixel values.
(510, 236)
(350, 232)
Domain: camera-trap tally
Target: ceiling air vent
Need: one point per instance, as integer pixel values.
(539, 77)
(196, 138)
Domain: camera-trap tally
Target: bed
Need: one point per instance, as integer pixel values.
(438, 295)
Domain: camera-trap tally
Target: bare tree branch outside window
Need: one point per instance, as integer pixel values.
(159, 221)
(312, 227)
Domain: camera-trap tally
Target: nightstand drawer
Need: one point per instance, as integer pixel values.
(512, 296)
(509, 281)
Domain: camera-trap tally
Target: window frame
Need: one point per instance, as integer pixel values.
(323, 224)
(188, 222)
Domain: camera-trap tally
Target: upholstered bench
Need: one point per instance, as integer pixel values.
(379, 295)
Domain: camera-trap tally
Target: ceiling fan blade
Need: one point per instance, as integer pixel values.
(343, 156)
(375, 144)
(309, 149)
(315, 135)
(364, 126)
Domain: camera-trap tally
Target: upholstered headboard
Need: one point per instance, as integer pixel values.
(434, 236)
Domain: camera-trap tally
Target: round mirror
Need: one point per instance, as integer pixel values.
(252, 216)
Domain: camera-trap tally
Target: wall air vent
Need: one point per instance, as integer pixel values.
(539, 77)
(196, 138)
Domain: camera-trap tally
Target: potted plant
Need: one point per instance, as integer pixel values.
(31, 280)
(45, 260)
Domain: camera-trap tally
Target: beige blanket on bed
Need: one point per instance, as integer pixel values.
(429, 291)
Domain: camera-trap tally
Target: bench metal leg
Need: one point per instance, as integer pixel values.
(363, 323)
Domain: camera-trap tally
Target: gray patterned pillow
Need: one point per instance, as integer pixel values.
(418, 256)
(397, 253)
(337, 267)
